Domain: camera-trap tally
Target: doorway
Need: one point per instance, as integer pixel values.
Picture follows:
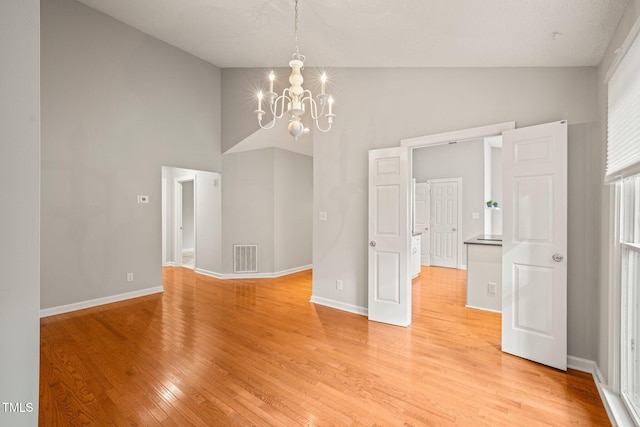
(192, 220)
(185, 222)
(445, 210)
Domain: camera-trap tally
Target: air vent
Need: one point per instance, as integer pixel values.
(245, 258)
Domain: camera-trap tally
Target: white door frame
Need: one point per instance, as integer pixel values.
(458, 180)
(425, 243)
(164, 221)
(177, 202)
(458, 135)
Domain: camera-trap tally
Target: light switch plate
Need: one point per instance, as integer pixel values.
(475, 215)
(322, 216)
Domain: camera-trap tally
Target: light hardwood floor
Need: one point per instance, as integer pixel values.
(213, 352)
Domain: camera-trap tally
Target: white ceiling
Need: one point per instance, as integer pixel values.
(379, 33)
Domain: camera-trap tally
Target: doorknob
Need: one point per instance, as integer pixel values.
(453, 229)
(557, 257)
(372, 243)
(426, 228)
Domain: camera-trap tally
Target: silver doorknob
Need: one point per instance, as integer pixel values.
(453, 229)
(426, 228)
(557, 257)
(372, 243)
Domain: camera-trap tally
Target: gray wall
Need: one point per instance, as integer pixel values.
(462, 160)
(376, 108)
(247, 206)
(267, 200)
(188, 224)
(116, 106)
(293, 210)
(19, 215)
(602, 196)
(496, 189)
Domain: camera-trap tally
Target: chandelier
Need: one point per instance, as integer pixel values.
(295, 97)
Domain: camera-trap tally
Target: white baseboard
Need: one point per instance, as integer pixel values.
(363, 311)
(483, 309)
(188, 250)
(253, 275)
(99, 301)
(580, 364)
(612, 402)
(208, 273)
(169, 264)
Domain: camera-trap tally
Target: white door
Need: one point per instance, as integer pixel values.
(421, 219)
(444, 223)
(534, 264)
(389, 240)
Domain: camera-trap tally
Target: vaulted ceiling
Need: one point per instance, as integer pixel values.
(379, 33)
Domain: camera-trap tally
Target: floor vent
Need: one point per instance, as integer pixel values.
(245, 258)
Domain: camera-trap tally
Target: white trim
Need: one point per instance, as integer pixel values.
(99, 301)
(616, 410)
(188, 250)
(458, 135)
(482, 308)
(169, 264)
(339, 305)
(463, 267)
(614, 291)
(611, 400)
(209, 273)
(254, 276)
(580, 364)
(622, 51)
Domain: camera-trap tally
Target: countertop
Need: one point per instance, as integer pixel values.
(485, 239)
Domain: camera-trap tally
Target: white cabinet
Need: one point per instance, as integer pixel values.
(415, 255)
(484, 273)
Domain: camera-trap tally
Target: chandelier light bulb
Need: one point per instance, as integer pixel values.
(295, 100)
(272, 77)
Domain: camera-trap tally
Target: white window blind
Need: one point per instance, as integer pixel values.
(623, 140)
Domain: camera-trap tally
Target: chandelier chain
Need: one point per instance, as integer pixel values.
(296, 55)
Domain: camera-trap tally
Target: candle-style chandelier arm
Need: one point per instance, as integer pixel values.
(273, 100)
(323, 99)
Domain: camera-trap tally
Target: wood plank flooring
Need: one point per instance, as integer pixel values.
(211, 352)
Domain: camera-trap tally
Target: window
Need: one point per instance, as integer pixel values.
(630, 292)
(623, 169)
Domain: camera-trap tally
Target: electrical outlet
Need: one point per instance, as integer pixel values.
(491, 288)
(129, 277)
(143, 199)
(322, 216)
(339, 285)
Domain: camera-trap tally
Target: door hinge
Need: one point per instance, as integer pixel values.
(633, 344)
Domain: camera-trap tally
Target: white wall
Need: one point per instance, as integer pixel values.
(602, 196)
(19, 215)
(117, 104)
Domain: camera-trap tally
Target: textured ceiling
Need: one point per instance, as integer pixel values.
(379, 33)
